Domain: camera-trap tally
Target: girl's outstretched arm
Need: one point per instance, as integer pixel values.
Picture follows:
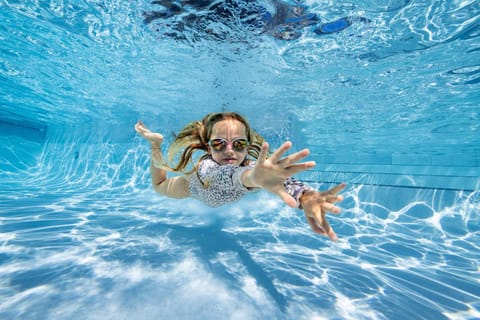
(315, 206)
(270, 173)
(175, 187)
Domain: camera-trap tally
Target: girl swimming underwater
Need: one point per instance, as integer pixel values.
(235, 161)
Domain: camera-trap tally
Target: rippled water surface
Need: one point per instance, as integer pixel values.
(389, 106)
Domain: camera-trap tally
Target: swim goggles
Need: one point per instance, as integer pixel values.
(220, 144)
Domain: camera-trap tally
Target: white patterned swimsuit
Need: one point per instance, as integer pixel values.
(216, 184)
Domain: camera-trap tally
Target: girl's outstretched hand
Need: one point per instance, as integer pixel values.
(316, 204)
(270, 173)
(154, 138)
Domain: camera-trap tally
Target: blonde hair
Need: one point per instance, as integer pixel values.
(195, 137)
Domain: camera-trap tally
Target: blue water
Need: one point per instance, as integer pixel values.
(390, 107)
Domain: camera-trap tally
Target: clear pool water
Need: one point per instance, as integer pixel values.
(390, 107)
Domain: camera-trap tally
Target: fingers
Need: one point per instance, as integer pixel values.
(299, 167)
(263, 153)
(322, 224)
(332, 235)
(315, 227)
(140, 127)
(290, 162)
(295, 157)
(332, 198)
(316, 208)
(321, 230)
(275, 157)
(327, 206)
(337, 188)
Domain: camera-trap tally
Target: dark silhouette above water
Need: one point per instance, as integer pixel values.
(282, 20)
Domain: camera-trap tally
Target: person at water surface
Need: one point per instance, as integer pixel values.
(281, 20)
(235, 160)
